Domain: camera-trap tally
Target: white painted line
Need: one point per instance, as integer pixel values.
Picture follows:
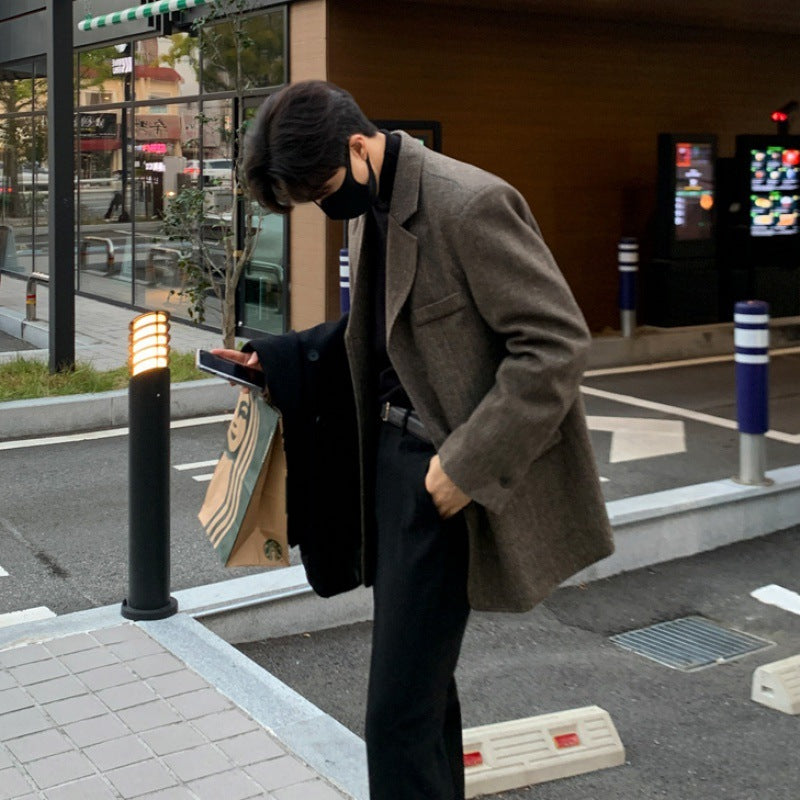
(604, 480)
(774, 595)
(676, 411)
(196, 465)
(634, 438)
(27, 615)
(3, 573)
(20, 444)
(203, 478)
(689, 362)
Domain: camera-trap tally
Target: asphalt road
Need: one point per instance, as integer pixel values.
(64, 521)
(697, 399)
(688, 736)
(64, 507)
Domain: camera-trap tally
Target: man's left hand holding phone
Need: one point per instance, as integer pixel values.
(249, 360)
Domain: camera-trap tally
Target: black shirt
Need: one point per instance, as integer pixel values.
(387, 383)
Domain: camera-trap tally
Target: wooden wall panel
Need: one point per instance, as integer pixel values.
(567, 111)
(307, 229)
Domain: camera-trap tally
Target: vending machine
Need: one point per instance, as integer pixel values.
(682, 281)
(766, 230)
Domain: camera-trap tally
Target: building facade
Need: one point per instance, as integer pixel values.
(565, 99)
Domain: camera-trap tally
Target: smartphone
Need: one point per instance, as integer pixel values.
(231, 370)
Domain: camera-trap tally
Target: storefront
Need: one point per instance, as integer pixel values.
(153, 114)
(565, 99)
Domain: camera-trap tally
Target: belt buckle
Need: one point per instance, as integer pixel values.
(386, 408)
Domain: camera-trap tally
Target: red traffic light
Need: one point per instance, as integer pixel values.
(779, 116)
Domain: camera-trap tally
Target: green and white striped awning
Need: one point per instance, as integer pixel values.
(140, 12)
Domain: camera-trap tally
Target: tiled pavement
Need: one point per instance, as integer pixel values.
(112, 714)
(102, 328)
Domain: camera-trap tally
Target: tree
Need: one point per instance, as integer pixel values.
(215, 248)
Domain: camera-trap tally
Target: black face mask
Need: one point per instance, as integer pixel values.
(351, 199)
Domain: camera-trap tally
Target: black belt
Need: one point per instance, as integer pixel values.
(406, 419)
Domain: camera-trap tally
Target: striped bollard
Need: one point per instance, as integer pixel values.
(344, 280)
(751, 345)
(628, 263)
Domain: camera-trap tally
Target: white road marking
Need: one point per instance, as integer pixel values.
(774, 595)
(203, 478)
(676, 411)
(196, 465)
(3, 573)
(650, 405)
(689, 362)
(26, 615)
(634, 438)
(604, 480)
(19, 444)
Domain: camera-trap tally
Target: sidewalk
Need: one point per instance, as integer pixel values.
(155, 711)
(101, 328)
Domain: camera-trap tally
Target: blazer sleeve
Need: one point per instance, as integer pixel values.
(524, 299)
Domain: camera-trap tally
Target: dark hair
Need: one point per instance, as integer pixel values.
(298, 140)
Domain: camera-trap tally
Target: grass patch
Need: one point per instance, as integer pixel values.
(22, 379)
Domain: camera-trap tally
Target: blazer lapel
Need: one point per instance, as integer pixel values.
(359, 289)
(401, 245)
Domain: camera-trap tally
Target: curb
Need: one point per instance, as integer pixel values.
(49, 416)
(653, 345)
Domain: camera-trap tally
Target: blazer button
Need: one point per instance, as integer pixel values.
(505, 481)
(313, 355)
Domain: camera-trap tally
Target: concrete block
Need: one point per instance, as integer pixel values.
(62, 768)
(200, 762)
(777, 685)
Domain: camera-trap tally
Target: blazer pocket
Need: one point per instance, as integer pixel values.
(438, 309)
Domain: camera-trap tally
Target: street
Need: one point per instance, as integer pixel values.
(687, 735)
(64, 507)
(64, 521)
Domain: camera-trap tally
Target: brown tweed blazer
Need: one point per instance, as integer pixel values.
(490, 346)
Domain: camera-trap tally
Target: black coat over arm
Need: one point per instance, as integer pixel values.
(309, 383)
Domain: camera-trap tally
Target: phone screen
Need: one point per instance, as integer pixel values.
(247, 376)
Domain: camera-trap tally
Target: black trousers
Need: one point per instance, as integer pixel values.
(413, 725)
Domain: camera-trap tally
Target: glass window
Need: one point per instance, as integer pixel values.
(261, 43)
(105, 202)
(105, 75)
(263, 286)
(166, 68)
(23, 167)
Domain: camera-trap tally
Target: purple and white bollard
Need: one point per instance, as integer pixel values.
(751, 345)
(628, 263)
(344, 280)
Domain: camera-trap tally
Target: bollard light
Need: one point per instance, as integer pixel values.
(148, 346)
(148, 466)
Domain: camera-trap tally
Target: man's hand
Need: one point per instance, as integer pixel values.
(447, 497)
(247, 359)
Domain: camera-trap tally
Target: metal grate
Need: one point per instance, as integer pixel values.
(689, 643)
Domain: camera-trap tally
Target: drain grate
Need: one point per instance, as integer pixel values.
(689, 643)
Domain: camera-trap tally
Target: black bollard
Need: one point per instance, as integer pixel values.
(148, 464)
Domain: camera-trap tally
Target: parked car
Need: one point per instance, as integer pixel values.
(215, 171)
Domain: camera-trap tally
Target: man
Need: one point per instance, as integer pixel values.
(465, 348)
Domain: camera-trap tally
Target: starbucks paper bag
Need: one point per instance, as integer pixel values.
(244, 511)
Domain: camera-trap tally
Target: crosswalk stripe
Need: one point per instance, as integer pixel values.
(203, 478)
(26, 615)
(197, 464)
